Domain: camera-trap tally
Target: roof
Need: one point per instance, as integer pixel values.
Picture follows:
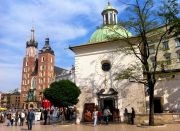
(131, 38)
(108, 32)
(59, 71)
(47, 48)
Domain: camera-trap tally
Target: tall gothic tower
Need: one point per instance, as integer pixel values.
(29, 70)
(37, 72)
(45, 68)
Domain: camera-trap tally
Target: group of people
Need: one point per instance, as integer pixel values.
(129, 117)
(15, 118)
(99, 117)
(61, 114)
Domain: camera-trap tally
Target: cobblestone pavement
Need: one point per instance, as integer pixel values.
(116, 127)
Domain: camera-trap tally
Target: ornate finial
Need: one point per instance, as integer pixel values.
(109, 3)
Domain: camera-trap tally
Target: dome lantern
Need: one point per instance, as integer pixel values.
(110, 27)
(109, 15)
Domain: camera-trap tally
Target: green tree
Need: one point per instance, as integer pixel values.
(144, 18)
(62, 93)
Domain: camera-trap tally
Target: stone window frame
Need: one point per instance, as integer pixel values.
(167, 56)
(178, 55)
(177, 42)
(151, 49)
(165, 45)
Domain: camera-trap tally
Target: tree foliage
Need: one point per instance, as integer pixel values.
(62, 93)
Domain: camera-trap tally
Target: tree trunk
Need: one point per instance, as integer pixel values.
(151, 104)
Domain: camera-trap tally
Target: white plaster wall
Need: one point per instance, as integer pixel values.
(91, 78)
(169, 90)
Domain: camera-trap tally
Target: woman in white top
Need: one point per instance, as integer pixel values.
(95, 115)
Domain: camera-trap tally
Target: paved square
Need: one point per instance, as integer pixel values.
(116, 127)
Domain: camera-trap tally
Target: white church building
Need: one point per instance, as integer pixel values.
(96, 64)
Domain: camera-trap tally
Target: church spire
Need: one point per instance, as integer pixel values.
(47, 48)
(32, 41)
(109, 15)
(32, 34)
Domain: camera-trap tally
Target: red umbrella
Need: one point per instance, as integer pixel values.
(46, 104)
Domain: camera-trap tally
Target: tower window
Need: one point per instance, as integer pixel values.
(51, 68)
(51, 60)
(26, 63)
(42, 59)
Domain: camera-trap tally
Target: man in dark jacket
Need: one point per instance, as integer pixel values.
(45, 116)
(132, 116)
(30, 118)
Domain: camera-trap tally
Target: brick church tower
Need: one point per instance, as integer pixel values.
(37, 72)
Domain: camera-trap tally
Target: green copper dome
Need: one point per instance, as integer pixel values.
(108, 32)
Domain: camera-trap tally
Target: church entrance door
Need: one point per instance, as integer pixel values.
(108, 100)
(109, 103)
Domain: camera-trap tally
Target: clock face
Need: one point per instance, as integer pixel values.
(106, 66)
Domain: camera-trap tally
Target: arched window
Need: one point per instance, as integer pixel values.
(33, 83)
(42, 59)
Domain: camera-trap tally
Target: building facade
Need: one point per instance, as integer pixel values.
(67, 75)
(5, 100)
(37, 73)
(167, 86)
(15, 100)
(98, 62)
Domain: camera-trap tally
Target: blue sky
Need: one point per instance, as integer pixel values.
(65, 22)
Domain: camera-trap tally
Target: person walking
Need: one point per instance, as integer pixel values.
(99, 117)
(45, 116)
(132, 116)
(8, 119)
(16, 118)
(106, 114)
(30, 118)
(22, 116)
(49, 116)
(126, 115)
(95, 115)
(12, 118)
